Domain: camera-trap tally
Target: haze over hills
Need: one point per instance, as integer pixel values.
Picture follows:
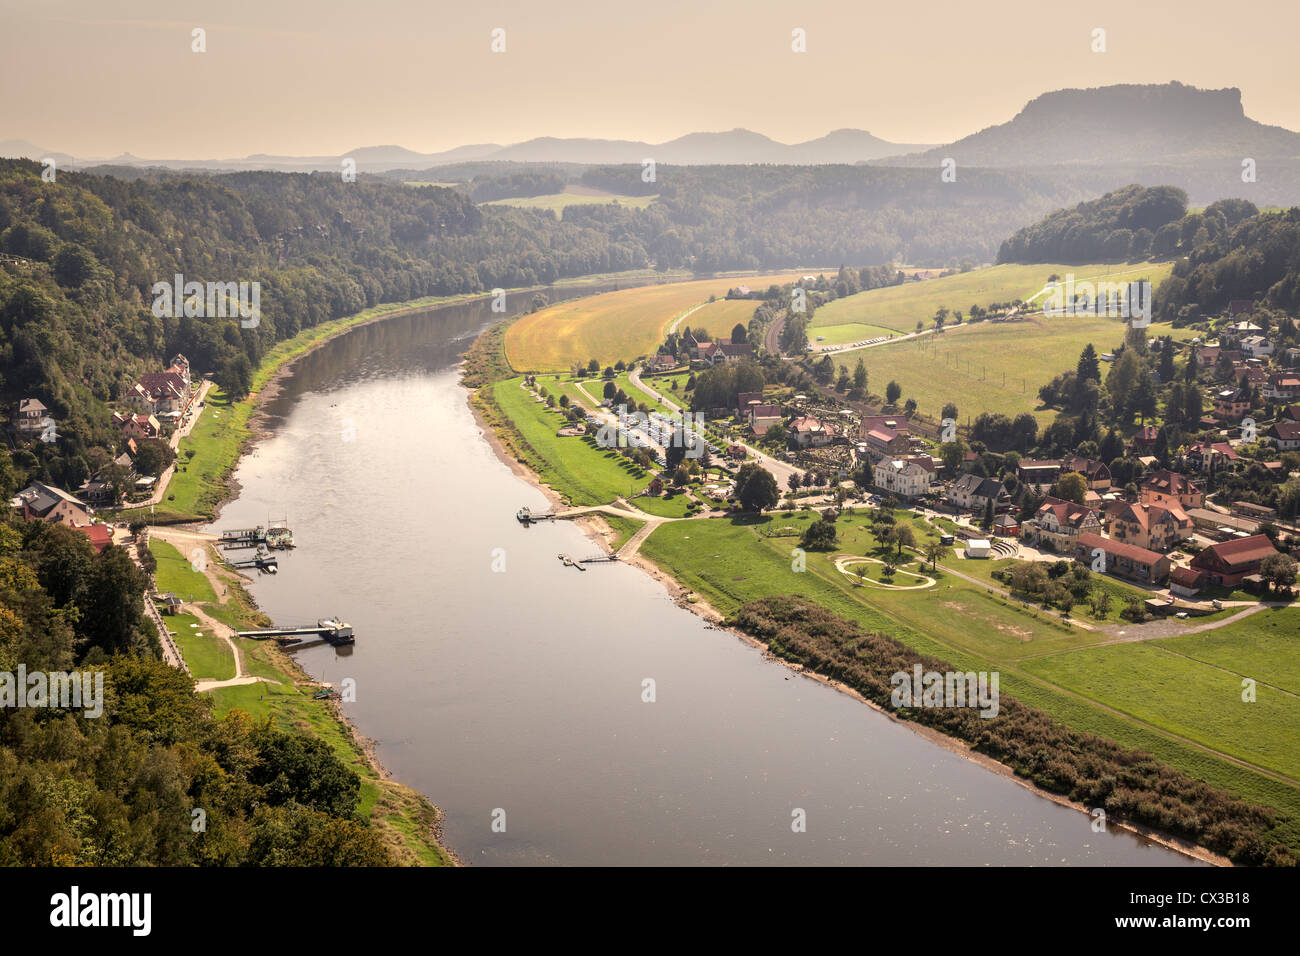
(1128, 124)
(737, 146)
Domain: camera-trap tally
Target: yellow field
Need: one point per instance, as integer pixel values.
(719, 318)
(624, 324)
(994, 367)
(574, 196)
(900, 307)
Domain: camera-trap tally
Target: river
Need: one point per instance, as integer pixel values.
(515, 695)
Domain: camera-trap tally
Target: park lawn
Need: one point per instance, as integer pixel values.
(665, 506)
(900, 307)
(905, 573)
(1264, 646)
(625, 324)
(206, 654)
(578, 470)
(846, 334)
(176, 574)
(1185, 697)
(995, 367)
(623, 529)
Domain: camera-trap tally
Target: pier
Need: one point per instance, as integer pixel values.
(581, 563)
(526, 516)
(330, 629)
(277, 536)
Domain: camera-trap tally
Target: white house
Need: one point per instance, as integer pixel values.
(1256, 346)
(905, 477)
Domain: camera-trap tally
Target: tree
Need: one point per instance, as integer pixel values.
(950, 410)
(933, 551)
(739, 334)
(953, 454)
(756, 488)
(235, 377)
(860, 376)
(821, 534)
(153, 456)
(1279, 570)
(1071, 487)
(987, 521)
(903, 537)
(893, 391)
(610, 390)
(1089, 367)
(824, 370)
(794, 481)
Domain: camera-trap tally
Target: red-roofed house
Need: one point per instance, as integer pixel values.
(1165, 487)
(1057, 523)
(1229, 562)
(100, 535)
(1186, 582)
(1125, 560)
(1285, 435)
(886, 443)
(1282, 386)
(808, 432)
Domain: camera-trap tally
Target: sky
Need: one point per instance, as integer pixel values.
(97, 78)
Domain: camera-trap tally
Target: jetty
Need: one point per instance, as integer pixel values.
(333, 630)
(581, 563)
(527, 516)
(277, 536)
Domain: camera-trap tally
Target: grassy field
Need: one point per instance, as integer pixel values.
(574, 467)
(574, 196)
(988, 366)
(617, 325)
(206, 654)
(1042, 662)
(719, 318)
(900, 307)
(623, 528)
(176, 574)
(1263, 646)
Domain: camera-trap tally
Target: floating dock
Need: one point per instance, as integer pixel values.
(526, 516)
(330, 629)
(276, 536)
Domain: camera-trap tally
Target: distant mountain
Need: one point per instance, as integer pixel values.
(735, 147)
(1168, 124)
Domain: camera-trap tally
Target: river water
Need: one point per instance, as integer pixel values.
(515, 696)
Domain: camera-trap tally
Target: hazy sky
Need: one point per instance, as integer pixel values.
(301, 77)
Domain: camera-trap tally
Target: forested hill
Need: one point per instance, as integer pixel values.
(1132, 223)
(1256, 260)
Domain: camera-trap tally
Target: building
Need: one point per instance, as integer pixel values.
(1123, 560)
(1058, 523)
(1186, 582)
(1165, 487)
(1039, 474)
(1282, 386)
(974, 492)
(1095, 473)
(885, 443)
(745, 399)
(718, 352)
(909, 477)
(978, 548)
(41, 502)
(809, 432)
(763, 417)
(1204, 455)
(138, 425)
(1285, 435)
(1144, 439)
(1007, 525)
(100, 535)
(1230, 404)
(1229, 562)
(1153, 527)
(1256, 346)
(30, 416)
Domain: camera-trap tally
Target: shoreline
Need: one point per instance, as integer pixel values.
(600, 533)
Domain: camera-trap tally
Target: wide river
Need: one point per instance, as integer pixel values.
(516, 694)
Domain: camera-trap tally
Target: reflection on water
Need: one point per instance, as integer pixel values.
(518, 692)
